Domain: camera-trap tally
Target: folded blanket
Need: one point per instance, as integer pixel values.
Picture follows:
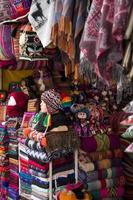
(100, 142)
(113, 192)
(95, 156)
(105, 183)
(100, 174)
(102, 164)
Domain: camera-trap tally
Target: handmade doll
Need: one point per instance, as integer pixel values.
(81, 125)
(50, 118)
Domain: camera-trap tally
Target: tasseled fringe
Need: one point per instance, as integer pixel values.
(127, 55)
(62, 140)
(62, 37)
(129, 29)
(86, 69)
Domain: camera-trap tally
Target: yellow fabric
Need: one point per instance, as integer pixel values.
(13, 76)
(67, 195)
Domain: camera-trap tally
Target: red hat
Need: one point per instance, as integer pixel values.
(19, 105)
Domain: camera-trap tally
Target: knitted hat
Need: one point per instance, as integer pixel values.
(17, 104)
(52, 99)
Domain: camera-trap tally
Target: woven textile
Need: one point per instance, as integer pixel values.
(12, 10)
(103, 34)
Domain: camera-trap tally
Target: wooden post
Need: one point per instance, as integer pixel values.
(50, 181)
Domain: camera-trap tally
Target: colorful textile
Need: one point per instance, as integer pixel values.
(6, 41)
(113, 172)
(102, 164)
(128, 121)
(108, 192)
(100, 142)
(19, 104)
(52, 98)
(30, 46)
(129, 149)
(106, 19)
(95, 156)
(12, 10)
(105, 183)
(41, 18)
(128, 133)
(67, 26)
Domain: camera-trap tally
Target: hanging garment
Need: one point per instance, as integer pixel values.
(41, 18)
(67, 27)
(30, 45)
(6, 42)
(12, 10)
(101, 42)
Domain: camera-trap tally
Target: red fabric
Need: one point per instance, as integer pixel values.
(21, 104)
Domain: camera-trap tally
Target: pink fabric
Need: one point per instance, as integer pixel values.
(45, 167)
(103, 34)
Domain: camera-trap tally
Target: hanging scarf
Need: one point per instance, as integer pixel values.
(101, 42)
(41, 18)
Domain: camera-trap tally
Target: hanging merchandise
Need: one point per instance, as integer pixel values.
(17, 104)
(101, 42)
(127, 61)
(30, 45)
(67, 27)
(6, 42)
(12, 10)
(41, 18)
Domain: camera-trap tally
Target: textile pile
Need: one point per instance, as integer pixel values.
(13, 188)
(4, 162)
(34, 161)
(127, 145)
(100, 166)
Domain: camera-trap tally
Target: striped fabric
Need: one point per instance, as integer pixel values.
(11, 10)
(22, 64)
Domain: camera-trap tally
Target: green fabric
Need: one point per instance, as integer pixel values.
(128, 133)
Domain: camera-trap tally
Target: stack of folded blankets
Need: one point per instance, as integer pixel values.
(34, 171)
(24, 174)
(34, 167)
(127, 145)
(100, 166)
(13, 188)
(4, 162)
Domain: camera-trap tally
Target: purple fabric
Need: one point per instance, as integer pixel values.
(89, 144)
(5, 63)
(103, 34)
(114, 141)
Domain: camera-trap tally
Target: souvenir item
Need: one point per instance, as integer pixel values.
(30, 45)
(11, 10)
(26, 119)
(41, 18)
(17, 104)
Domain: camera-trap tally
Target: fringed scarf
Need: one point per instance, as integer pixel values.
(101, 42)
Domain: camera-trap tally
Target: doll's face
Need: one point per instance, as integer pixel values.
(82, 115)
(43, 107)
